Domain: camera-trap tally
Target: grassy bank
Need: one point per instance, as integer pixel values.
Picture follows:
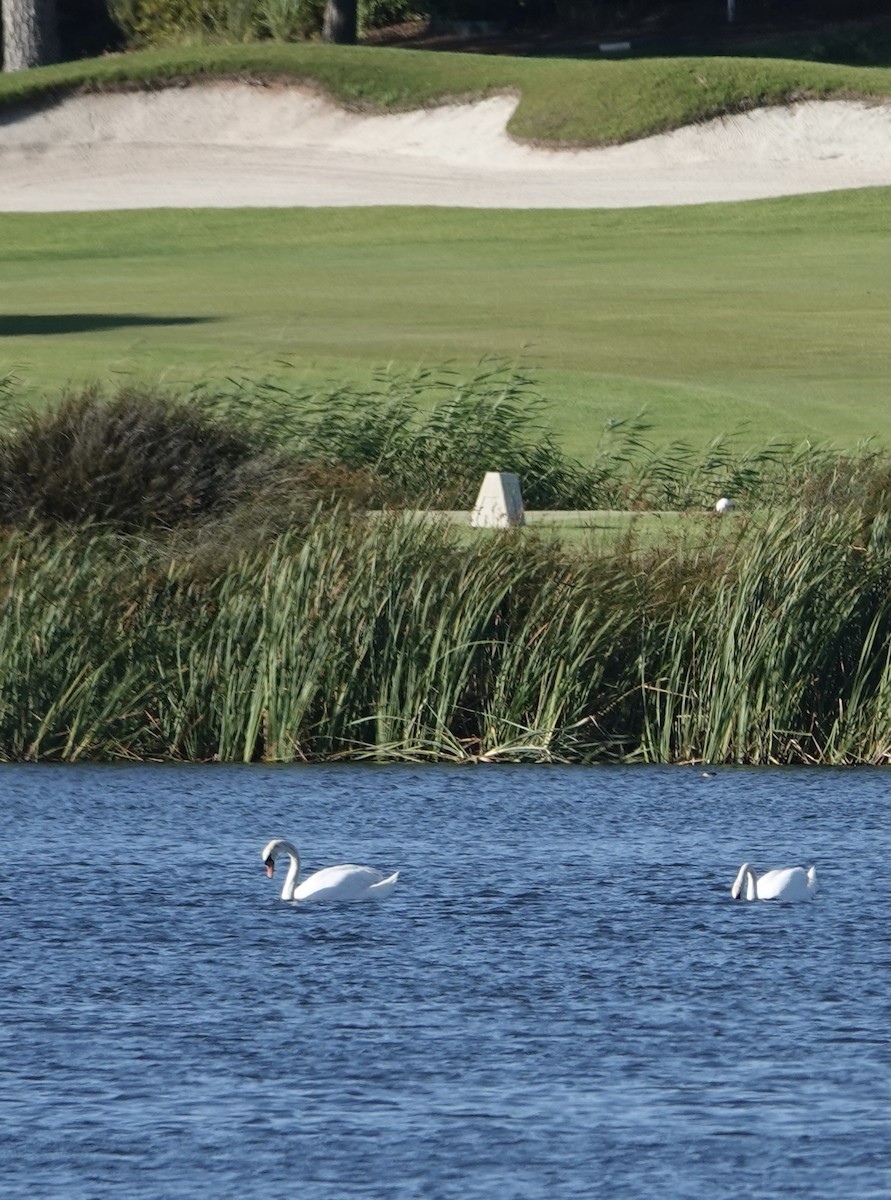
(772, 313)
(562, 101)
(178, 584)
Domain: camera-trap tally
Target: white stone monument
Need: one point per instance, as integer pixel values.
(499, 504)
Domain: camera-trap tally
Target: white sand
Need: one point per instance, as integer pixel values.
(233, 145)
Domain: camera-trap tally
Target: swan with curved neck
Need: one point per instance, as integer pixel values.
(344, 882)
(790, 883)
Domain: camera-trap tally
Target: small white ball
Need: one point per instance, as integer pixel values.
(724, 505)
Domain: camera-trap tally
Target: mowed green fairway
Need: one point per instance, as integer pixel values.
(770, 313)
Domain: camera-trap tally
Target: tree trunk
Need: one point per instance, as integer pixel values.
(341, 21)
(29, 33)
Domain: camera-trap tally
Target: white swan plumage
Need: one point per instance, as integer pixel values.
(789, 883)
(343, 882)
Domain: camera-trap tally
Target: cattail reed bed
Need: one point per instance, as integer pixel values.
(273, 619)
(389, 640)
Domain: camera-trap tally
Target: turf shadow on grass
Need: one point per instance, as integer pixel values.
(26, 324)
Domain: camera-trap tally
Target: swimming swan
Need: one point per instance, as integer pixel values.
(791, 883)
(345, 882)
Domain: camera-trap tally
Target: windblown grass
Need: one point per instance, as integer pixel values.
(426, 440)
(144, 459)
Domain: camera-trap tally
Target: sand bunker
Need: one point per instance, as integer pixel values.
(233, 145)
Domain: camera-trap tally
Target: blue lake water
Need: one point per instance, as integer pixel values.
(560, 999)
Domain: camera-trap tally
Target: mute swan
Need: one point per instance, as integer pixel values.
(345, 882)
(791, 883)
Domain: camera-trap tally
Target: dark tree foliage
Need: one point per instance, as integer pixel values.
(340, 21)
(593, 15)
(83, 29)
(86, 29)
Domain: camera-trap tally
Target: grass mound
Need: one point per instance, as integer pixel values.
(562, 101)
(144, 460)
(134, 461)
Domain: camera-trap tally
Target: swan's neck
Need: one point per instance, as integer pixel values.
(745, 878)
(293, 871)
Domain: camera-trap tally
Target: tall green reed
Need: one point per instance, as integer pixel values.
(389, 638)
(72, 678)
(759, 661)
(235, 610)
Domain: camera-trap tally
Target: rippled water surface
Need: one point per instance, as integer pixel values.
(560, 999)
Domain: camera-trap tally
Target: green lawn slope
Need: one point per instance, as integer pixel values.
(771, 313)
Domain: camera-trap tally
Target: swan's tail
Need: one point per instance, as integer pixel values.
(379, 890)
(812, 884)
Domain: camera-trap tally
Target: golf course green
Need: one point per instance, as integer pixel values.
(770, 315)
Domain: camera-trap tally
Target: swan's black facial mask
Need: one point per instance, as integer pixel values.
(270, 866)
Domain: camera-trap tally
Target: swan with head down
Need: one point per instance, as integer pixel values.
(344, 882)
(790, 883)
